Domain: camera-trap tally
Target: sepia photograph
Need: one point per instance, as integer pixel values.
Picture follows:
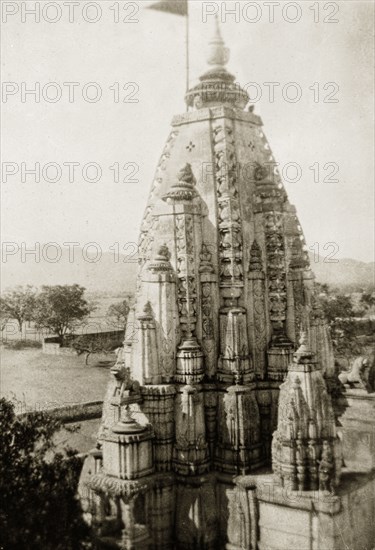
(187, 350)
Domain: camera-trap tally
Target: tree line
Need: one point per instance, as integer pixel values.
(349, 320)
(59, 309)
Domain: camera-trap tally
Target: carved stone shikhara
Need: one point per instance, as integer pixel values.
(211, 364)
(306, 451)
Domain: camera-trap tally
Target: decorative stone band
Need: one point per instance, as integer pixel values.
(190, 366)
(115, 487)
(217, 112)
(213, 89)
(191, 460)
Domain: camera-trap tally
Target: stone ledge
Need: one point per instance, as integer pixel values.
(74, 412)
(268, 489)
(213, 113)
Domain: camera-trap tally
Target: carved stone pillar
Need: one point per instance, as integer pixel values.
(210, 410)
(234, 350)
(160, 504)
(239, 447)
(258, 308)
(196, 514)
(209, 304)
(191, 455)
(158, 406)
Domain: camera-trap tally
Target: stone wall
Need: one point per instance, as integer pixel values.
(308, 520)
(81, 424)
(52, 346)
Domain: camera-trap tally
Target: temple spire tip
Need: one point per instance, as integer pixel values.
(218, 55)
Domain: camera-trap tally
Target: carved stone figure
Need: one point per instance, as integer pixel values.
(326, 468)
(361, 375)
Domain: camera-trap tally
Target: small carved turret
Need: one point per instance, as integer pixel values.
(161, 260)
(305, 423)
(184, 189)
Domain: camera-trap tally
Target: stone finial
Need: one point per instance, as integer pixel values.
(127, 424)
(303, 353)
(218, 54)
(303, 342)
(147, 310)
(164, 253)
(260, 172)
(297, 383)
(184, 189)
(186, 175)
(147, 314)
(161, 260)
(217, 86)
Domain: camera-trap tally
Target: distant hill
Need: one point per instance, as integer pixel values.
(111, 274)
(345, 274)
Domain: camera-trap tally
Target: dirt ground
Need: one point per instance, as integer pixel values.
(35, 381)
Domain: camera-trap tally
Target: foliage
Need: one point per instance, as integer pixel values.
(89, 344)
(337, 307)
(39, 508)
(367, 302)
(18, 304)
(118, 313)
(61, 308)
(339, 312)
(4, 316)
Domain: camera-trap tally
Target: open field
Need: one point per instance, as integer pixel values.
(35, 381)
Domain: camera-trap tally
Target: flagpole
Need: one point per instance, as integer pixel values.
(187, 53)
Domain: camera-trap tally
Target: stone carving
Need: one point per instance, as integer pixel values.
(361, 375)
(305, 449)
(238, 449)
(255, 263)
(207, 323)
(125, 388)
(209, 374)
(217, 85)
(260, 172)
(161, 260)
(187, 291)
(326, 468)
(230, 231)
(186, 175)
(276, 269)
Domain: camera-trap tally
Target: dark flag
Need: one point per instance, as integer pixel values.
(177, 7)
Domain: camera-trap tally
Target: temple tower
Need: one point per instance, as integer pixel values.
(224, 291)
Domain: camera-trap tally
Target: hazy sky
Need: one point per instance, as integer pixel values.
(150, 53)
